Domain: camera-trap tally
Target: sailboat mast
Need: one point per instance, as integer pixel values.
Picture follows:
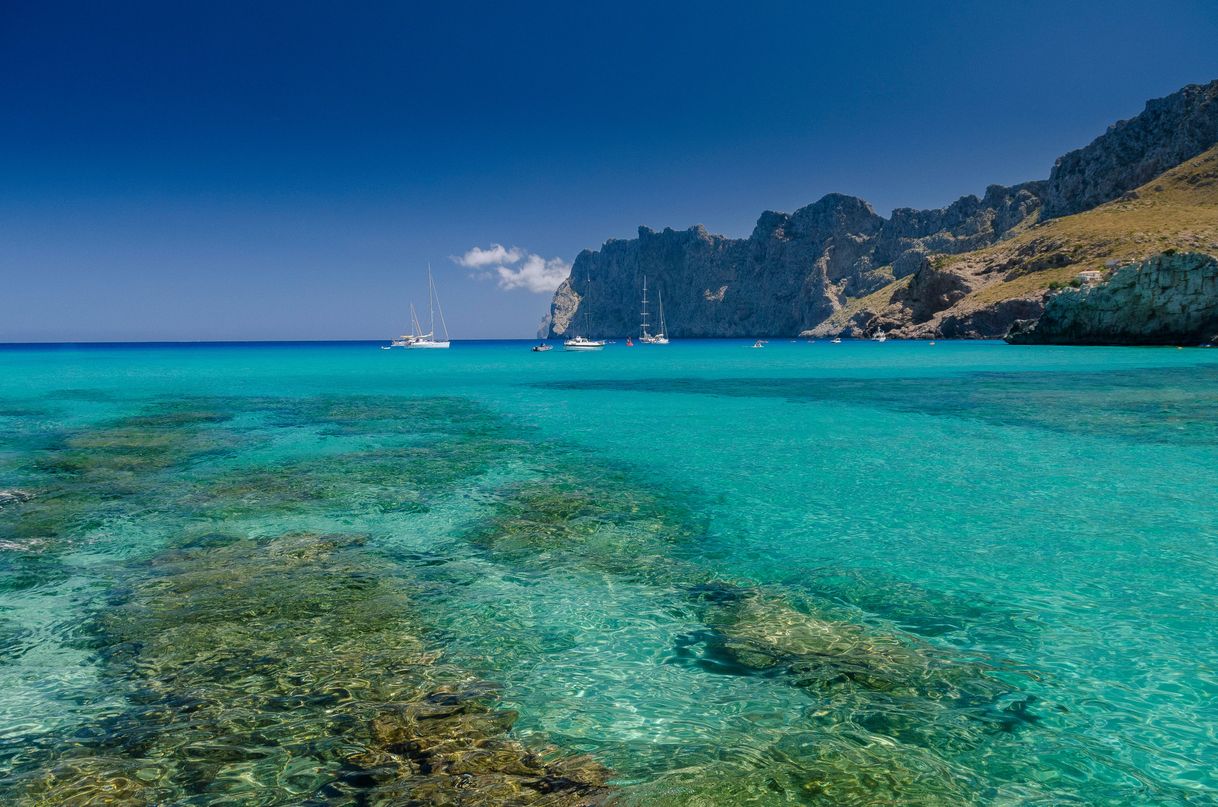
(643, 327)
(431, 301)
(663, 324)
(443, 324)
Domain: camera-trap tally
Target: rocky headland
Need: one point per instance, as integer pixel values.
(969, 270)
(1171, 299)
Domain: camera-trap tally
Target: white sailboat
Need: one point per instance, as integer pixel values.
(416, 333)
(428, 340)
(645, 336)
(578, 342)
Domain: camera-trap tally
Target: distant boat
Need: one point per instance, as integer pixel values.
(428, 340)
(837, 340)
(880, 337)
(645, 336)
(406, 339)
(542, 348)
(580, 343)
(759, 343)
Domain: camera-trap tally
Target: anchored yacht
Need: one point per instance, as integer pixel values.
(428, 340)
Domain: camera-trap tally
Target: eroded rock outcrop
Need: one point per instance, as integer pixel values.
(794, 270)
(814, 270)
(1171, 299)
(1132, 152)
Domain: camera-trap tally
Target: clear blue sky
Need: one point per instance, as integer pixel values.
(215, 170)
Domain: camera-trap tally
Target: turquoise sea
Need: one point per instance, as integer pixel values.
(700, 574)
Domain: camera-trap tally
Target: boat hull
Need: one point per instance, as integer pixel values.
(428, 345)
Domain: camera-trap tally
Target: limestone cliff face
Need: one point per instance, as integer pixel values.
(794, 269)
(1132, 152)
(1171, 299)
(836, 267)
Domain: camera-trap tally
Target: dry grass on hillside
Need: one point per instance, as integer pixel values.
(1177, 210)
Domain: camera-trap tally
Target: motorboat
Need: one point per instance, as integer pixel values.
(580, 343)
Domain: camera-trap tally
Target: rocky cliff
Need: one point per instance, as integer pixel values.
(836, 266)
(1132, 152)
(1170, 299)
(982, 293)
(794, 269)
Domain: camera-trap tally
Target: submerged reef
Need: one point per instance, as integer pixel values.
(284, 670)
(265, 645)
(890, 716)
(258, 666)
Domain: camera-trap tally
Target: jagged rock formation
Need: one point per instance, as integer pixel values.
(794, 269)
(836, 267)
(1132, 152)
(981, 294)
(1171, 299)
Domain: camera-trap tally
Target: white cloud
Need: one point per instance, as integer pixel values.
(515, 268)
(537, 274)
(479, 258)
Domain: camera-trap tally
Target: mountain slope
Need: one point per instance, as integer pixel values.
(794, 269)
(836, 264)
(980, 294)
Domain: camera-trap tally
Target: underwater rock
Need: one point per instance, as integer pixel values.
(909, 606)
(886, 683)
(14, 496)
(612, 525)
(450, 749)
(847, 768)
(282, 670)
(101, 781)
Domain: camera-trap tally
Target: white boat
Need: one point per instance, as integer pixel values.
(580, 343)
(880, 337)
(427, 341)
(760, 343)
(407, 339)
(542, 348)
(837, 340)
(645, 336)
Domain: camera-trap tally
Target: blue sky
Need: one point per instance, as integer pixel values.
(213, 170)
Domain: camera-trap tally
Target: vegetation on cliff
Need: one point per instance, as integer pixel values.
(968, 270)
(993, 287)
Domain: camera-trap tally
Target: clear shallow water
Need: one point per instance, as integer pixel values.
(858, 573)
